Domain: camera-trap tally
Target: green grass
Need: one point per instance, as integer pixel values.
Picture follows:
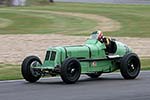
(145, 64)
(28, 22)
(11, 72)
(134, 19)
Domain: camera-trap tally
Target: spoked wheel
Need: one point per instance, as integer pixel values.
(130, 66)
(94, 75)
(28, 72)
(70, 70)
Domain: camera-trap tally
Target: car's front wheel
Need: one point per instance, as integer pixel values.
(28, 72)
(130, 66)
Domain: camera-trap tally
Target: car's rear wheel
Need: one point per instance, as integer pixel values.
(28, 72)
(94, 75)
(130, 66)
(70, 70)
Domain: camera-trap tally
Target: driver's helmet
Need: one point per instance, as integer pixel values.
(97, 35)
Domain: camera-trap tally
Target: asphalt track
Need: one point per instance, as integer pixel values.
(107, 87)
(110, 1)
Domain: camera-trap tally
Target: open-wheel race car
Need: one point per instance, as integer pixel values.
(93, 58)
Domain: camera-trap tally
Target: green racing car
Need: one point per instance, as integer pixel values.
(93, 58)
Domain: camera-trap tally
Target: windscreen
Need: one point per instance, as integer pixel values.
(93, 36)
(47, 55)
(53, 55)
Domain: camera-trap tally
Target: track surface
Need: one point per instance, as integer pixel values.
(110, 1)
(107, 87)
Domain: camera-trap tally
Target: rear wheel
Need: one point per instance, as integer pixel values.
(94, 75)
(28, 72)
(70, 70)
(130, 66)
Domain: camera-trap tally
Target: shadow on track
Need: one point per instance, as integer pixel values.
(84, 80)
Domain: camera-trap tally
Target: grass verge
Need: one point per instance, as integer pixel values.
(145, 64)
(10, 72)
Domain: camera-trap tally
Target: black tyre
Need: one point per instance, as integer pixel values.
(94, 75)
(70, 70)
(28, 73)
(130, 66)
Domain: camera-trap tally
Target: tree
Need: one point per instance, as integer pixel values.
(51, 1)
(2, 1)
(9, 2)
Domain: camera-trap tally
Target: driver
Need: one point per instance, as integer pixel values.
(99, 36)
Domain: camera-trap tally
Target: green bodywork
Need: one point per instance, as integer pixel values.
(92, 56)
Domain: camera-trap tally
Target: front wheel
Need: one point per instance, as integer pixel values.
(70, 70)
(28, 72)
(130, 66)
